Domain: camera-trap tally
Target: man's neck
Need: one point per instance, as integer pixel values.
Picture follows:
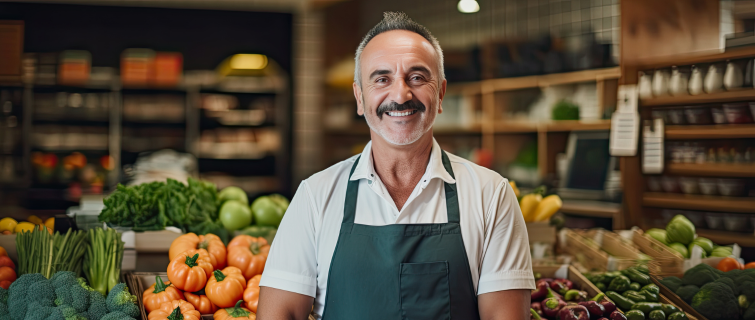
(401, 167)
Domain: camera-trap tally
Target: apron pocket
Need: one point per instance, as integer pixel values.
(425, 293)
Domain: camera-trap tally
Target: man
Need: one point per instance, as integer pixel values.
(404, 230)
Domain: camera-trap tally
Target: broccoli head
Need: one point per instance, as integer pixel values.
(63, 296)
(117, 315)
(749, 314)
(63, 279)
(701, 274)
(747, 289)
(97, 307)
(729, 283)
(716, 301)
(687, 292)
(3, 302)
(56, 314)
(80, 297)
(42, 292)
(119, 299)
(672, 283)
(36, 311)
(17, 294)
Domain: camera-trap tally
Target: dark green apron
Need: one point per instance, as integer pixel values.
(400, 271)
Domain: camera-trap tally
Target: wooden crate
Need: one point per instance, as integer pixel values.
(591, 249)
(671, 262)
(572, 274)
(670, 296)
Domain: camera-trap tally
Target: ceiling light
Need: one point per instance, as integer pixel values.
(468, 6)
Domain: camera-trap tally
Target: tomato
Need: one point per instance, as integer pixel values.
(235, 313)
(5, 261)
(5, 284)
(3, 253)
(158, 293)
(728, 264)
(750, 265)
(189, 271)
(209, 244)
(252, 293)
(235, 215)
(226, 287)
(248, 254)
(269, 210)
(167, 309)
(201, 302)
(7, 274)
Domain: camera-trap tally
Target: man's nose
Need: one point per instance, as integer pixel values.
(401, 92)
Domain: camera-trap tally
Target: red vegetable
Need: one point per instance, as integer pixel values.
(574, 312)
(596, 309)
(616, 315)
(559, 287)
(539, 293)
(608, 306)
(552, 306)
(536, 306)
(566, 282)
(534, 315)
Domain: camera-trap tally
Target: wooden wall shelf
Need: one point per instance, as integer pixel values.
(711, 169)
(718, 97)
(699, 202)
(519, 83)
(728, 237)
(597, 209)
(694, 58)
(724, 131)
(552, 126)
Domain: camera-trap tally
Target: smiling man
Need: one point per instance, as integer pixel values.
(404, 230)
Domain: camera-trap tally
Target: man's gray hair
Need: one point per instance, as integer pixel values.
(398, 21)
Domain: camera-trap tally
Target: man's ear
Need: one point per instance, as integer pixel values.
(358, 96)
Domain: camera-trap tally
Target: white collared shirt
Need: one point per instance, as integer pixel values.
(492, 226)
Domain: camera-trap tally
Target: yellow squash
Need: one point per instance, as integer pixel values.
(528, 204)
(514, 187)
(546, 208)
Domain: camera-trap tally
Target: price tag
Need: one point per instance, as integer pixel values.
(625, 123)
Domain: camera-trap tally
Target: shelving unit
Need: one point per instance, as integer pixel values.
(643, 207)
(713, 170)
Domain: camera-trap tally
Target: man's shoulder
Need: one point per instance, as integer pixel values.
(484, 176)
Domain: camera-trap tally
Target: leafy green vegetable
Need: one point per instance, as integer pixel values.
(681, 230)
(565, 110)
(102, 262)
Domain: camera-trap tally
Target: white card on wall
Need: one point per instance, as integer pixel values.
(652, 146)
(625, 123)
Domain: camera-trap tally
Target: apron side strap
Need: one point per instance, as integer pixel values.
(352, 189)
(452, 199)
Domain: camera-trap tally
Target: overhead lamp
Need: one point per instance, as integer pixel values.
(468, 6)
(248, 62)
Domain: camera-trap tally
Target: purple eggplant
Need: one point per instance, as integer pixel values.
(552, 306)
(539, 293)
(574, 313)
(596, 309)
(616, 315)
(608, 306)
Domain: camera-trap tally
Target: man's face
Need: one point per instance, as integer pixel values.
(401, 91)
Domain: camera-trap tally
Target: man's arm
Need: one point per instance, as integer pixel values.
(276, 304)
(506, 304)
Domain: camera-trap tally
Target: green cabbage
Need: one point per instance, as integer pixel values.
(681, 230)
(721, 252)
(658, 234)
(678, 247)
(704, 243)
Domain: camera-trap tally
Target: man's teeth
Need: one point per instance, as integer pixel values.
(401, 114)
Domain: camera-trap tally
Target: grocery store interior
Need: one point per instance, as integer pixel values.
(625, 127)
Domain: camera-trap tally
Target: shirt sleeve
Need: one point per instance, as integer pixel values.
(292, 264)
(506, 263)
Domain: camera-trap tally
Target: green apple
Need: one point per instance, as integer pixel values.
(235, 215)
(232, 193)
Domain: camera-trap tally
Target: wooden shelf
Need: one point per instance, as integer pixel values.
(712, 169)
(728, 237)
(598, 209)
(718, 97)
(553, 126)
(724, 131)
(362, 129)
(695, 58)
(518, 83)
(699, 202)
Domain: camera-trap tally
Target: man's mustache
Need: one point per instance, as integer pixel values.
(394, 106)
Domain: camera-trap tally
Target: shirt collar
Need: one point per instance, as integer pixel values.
(366, 170)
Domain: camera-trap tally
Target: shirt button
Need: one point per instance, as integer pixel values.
(369, 181)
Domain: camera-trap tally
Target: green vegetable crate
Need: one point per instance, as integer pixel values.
(670, 296)
(672, 262)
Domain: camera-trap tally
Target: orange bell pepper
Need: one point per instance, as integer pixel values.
(226, 287)
(209, 243)
(174, 310)
(234, 313)
(189, 272)
(201, 302)
(158, 293)
(252, 293)
(248, 254)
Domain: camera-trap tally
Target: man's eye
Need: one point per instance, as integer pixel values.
(416, 78)
(381, 80)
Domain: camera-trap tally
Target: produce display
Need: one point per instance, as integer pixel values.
(9, 225)
(45, 253)
(64, 296)
(7, 270)
(203, 282)
(634, 293)
(534, 207)
(680, 236)
(560, 299)
(717, 294)
(103, 259)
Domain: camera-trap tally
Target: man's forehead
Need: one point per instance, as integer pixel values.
(398, 42)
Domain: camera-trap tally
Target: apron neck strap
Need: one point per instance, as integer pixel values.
(452, 199)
